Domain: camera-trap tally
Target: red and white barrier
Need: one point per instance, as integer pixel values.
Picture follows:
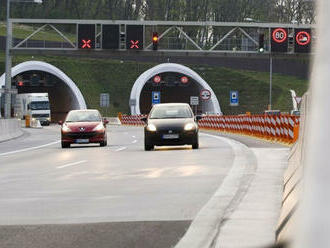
(132, 120)
(276, 128)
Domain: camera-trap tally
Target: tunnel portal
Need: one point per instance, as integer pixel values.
(168, 83)
(41, 77)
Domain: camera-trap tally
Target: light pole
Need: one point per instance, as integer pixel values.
(7, 107)
(270, 80)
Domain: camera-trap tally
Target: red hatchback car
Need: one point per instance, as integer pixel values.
(83, 127)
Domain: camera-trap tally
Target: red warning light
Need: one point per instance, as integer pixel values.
(20, 83)
(184, 80)
(157, 79)
(86, 44)
(303, 38)
(135, 44)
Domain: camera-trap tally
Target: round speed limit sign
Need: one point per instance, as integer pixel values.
(279, 35)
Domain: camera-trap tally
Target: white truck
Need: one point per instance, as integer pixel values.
(36, 105)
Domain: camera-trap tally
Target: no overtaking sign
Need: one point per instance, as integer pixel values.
(205, 94)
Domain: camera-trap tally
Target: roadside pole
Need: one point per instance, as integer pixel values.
(270, 80)
(7, 106)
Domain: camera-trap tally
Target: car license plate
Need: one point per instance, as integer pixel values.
(170, 136)
(80, 141)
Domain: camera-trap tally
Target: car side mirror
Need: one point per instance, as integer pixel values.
(198, 117)
(105, 121)
(60, 123)
(144, 119)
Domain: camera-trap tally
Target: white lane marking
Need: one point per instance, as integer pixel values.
(30, 148)
(121, 149)
(134, 136)
(134, 141)
(71, 164)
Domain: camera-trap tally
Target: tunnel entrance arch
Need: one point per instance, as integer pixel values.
(64, 96)
(142, 86)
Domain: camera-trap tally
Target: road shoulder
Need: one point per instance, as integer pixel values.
(248, 217)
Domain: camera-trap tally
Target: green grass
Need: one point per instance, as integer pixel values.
(46, 34)
(95, 76)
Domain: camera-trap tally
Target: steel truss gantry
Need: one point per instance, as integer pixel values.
(174, 36)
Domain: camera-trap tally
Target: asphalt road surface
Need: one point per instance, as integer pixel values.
(114, 196)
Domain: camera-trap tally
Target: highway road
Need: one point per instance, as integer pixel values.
(114, 196)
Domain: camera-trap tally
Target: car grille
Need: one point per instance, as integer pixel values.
(40, 115)
(173, 129)
(81, 135)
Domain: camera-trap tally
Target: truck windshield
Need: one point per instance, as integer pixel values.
(40, 105)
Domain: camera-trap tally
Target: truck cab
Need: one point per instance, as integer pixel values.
(36, 105)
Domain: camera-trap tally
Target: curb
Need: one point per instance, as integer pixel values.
(204, 229)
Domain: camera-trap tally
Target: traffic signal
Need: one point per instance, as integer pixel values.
(86, 36)
(134, 37)
(279, 40)
(155, 40)
(303, 40)
(261, 43)
(110, 36)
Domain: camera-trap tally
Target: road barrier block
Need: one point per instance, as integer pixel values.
(10, 129)
(274, 128)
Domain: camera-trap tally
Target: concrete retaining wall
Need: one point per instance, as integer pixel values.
(10, 129)
(292, 182)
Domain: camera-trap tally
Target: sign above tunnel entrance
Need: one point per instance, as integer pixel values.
(155, 97)
(205, 94)
(184, 80)
(157, 79)
(194, 100)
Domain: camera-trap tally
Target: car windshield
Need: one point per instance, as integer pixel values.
(40, 105)
(170, 112)
(83, 116)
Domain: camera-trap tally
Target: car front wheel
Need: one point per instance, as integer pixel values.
(148, 147)
(103, 143)
(65, 145)
(195, 145)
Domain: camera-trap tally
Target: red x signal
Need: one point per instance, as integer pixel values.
(135, 44)
(86, 44)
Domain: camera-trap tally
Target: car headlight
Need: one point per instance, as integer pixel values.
(48, 118)
(151, 128)
(66, 129)
(33, 119)
(189, 127)
(99, 127)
